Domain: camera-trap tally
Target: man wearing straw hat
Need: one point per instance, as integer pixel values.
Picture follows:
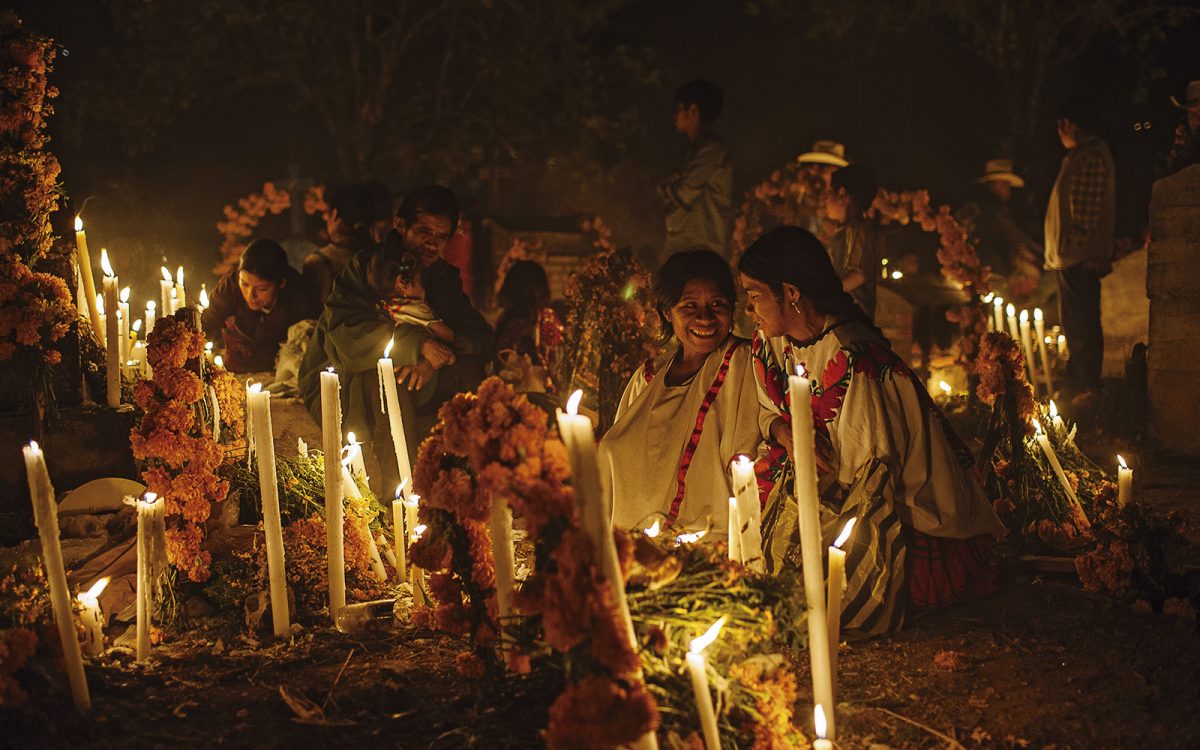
(1185, 151)
(825, 158)
(1014, 256)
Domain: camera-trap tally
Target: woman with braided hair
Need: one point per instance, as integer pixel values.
(885, 453)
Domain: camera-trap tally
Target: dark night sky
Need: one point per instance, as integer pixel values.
(914, 107)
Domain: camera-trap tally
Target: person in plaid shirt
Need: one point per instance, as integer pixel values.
(1080, 220)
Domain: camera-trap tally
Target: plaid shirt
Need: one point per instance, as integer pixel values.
(1081, 215)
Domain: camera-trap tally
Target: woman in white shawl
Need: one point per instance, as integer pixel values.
(885, 453)
(686, 413)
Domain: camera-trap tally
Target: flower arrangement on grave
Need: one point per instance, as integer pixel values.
(610, 324)
(26, 626)
(36, 309)
(174, 439)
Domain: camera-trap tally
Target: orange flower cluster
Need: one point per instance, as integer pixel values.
(231, 399)
(35, 308)
(180, 455)
(305, 543)
(597, 713)
(1108, 569)
(239, 222)
(793, 195)
(1001, 370)
(774, 695)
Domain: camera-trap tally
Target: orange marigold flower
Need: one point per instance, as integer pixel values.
(598, 713)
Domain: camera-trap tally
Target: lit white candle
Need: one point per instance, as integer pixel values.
(836, 585)
(1124, 482)
(735, 531)
(807, 498)
(1059, 425)
(331, 444)
(203, 298)
(381, 540)
(45, 515)
(398, 535)
(745, 489)
(391, 404)
(986, 300)
(1011, 315)
(164, 291)
(1027, 348)
(998, 313)
(112, 333)
(354, 459)
(151, 316)
(1039, 330)
(1062, 346)
(1052, 458)
(411, 510)
(502, 552)
(821, 742)
(946, 389)
(697, 669)
(174, 303)
(85, 273)
(123, 322)
(180, 289)
(150, 510)
(92, 618)
(417, 575)
(258, 402)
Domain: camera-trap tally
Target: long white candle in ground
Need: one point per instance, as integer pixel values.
(112, 334)
(502, 552)
(85, 273)
(331, 444)
(391, 404)
(1011, 315)
(837, 585)
(45, 515)
(821, 742)
(1124, 482)
(417, 575)
(411, 510)
(180, 289)
(804, 459)
(151, 316)
(1052, 458)
(399, 536)
(202, 300)
(258, 402)
(745, 489)
(354, 460)
(1027, 348)
(998, 313)
(123, 322)
(697, 669)
(92, 618)
(1039, 330)
(351, 491)
(164, 292)
(149, 510)
(735, 531)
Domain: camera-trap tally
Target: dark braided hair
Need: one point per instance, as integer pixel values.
(793, 255)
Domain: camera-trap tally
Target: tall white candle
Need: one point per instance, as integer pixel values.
(331, 444)
(804, 460)
(164, 292)
(998, 313)
(837, 585)
(411, 510)
(398, 535)
(1060, 426)
(1027, 348)
(697, 669)
(745, 489)
(203, 298)
(180, 289)
(1039, 330)
(258, 402)
(85, 273)
(417, 576)
(735, 531)
(150, 510)
(92, 618)
(502, 552)
(391, 404)
(1011, 315)
(151, 316)
(124, 322)
(1052, 458)
(174, 304)
(112, 334)
(354, 458)
(1124, 482)
(45, 515)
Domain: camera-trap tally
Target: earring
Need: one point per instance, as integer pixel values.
(796, 308)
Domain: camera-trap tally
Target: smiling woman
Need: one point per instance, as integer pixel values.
(687, 412)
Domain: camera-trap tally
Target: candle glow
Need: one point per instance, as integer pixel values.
(842, 537)
(654, 530)
(573, 402)
(704, 641)
(104, 264)
(165, 274)
(945, 387)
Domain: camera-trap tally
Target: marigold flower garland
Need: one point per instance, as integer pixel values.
(175, 441)
(496, 444)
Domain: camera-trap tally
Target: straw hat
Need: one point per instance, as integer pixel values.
(825, 152)
(1001, 169)
(1191, 98)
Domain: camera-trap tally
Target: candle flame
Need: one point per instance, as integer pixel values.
(897, 275)
(1038, 314)
(203, 296)
(1053, 409)
(33, 446)
(413, 501)
(94, 592)
(150, 306)
(329, 369)
(179, 276)
(165, 273)
(842, 537)
(946, 389)
(1047, 340)
(400, 488)
(219, 361)
(1037, 426)
(819, 721)
(150, 498)
(208, 347)
(710, 635)
(137, 325)
(1011, 310)
(78, 224)
(104, 264)
(351, 439)
(801, 372)
(255, 388)
(998, 301)
(988, 297)
(1024, 316)
(124, 296)
(654, 529)
(1121, 461)
(418, 530)
(100, 304)
(691, 538)
(742, 460)
(1061, 339)
(387, 350)
(573, 402)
